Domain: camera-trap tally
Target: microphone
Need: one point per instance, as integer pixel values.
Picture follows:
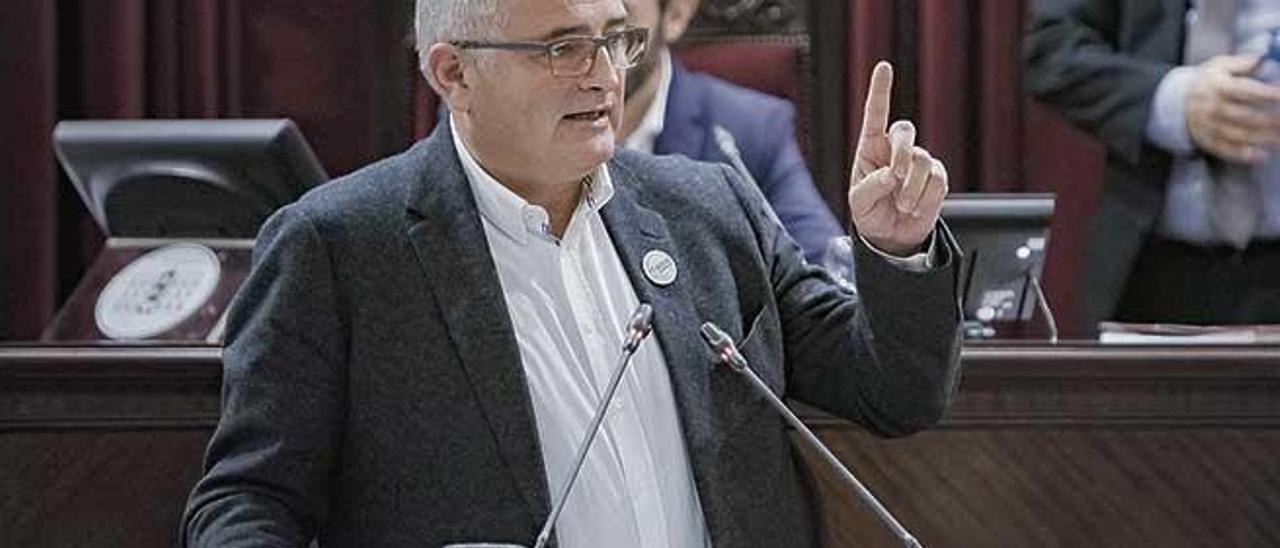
(638, 328)
(729, 147)
(1051, 323)
(723, 345)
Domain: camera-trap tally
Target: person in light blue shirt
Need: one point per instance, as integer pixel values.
(1180, 94)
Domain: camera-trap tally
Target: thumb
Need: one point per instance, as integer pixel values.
(864, 196)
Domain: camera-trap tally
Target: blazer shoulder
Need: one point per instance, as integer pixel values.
(681, 187)
(671, 176)
(372, 194)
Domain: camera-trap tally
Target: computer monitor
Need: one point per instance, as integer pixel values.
(186, 178)
(1004, 238)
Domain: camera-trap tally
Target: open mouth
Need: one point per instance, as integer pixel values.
(589, 115)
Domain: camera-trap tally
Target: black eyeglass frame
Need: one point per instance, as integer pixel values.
(549, 49)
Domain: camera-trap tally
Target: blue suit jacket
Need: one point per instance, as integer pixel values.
(373, 393)
(764, 129)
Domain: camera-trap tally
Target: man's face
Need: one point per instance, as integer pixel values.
(647, 14)
(535, 128)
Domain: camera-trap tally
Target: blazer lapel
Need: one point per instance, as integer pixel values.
(449, 240)
(637, 230)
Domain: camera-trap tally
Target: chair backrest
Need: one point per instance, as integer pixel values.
(772, 68)
(772, 46)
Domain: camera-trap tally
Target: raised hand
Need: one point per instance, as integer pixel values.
(895, 188)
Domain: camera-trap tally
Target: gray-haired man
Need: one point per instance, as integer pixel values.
(421, 344)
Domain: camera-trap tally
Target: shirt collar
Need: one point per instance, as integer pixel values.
(646, 134)
(513, 215)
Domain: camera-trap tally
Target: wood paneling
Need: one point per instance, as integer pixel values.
(1074, 445)
(1078, 446)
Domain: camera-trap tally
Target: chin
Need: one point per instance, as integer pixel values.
(600, 149)
(585, 160)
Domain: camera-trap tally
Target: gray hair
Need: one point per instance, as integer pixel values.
(443, 20)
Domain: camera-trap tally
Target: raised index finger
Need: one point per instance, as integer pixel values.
(875, 116)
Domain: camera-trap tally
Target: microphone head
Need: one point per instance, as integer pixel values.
(638, 327)
(722, 344)
(641, 319)
(715, 336)
(724, 140)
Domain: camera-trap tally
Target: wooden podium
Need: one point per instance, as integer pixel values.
(1070, 445)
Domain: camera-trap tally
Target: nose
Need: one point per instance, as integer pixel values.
(602, 77)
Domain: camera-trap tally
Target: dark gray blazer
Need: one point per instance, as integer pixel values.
(1098, 62)
(373, 392)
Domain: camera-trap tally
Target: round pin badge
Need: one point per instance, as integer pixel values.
(659, 267)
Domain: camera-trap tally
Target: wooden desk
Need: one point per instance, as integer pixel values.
(99, 446)
(1076, 445)
(1079, 446)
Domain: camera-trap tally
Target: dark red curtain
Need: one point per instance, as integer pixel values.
(958, 78)
(28, 188)
(344, 71)
(341, 69)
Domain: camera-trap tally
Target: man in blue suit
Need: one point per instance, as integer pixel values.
(672, 111)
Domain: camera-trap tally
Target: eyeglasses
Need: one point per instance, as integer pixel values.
(576, 55)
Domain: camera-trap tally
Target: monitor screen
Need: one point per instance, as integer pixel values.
(186, 178)
(1004, 237)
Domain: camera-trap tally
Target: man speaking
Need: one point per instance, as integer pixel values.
(421, 344)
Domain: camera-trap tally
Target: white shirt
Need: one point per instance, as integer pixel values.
(1186, 212)
(568, 300)
(651, 125)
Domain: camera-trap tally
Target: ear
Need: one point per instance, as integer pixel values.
(676, 18)
(445, 70)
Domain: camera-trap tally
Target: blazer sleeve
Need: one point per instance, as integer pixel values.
(886, 358)
(788, 186)
(1072, 61)
(266, 469)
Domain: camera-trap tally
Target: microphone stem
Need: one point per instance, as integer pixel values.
(1043, 302)
(594, 428)
(867, 497)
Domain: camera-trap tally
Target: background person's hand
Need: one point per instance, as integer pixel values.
(896, 188)
(1230, 115)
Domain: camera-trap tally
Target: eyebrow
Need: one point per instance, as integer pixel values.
(580, 30)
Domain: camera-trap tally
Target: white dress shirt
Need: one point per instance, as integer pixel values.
(568, 299)
(1186, 212)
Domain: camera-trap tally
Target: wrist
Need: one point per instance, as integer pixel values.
(894, 249)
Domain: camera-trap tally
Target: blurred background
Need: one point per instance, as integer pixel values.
(344, 71)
